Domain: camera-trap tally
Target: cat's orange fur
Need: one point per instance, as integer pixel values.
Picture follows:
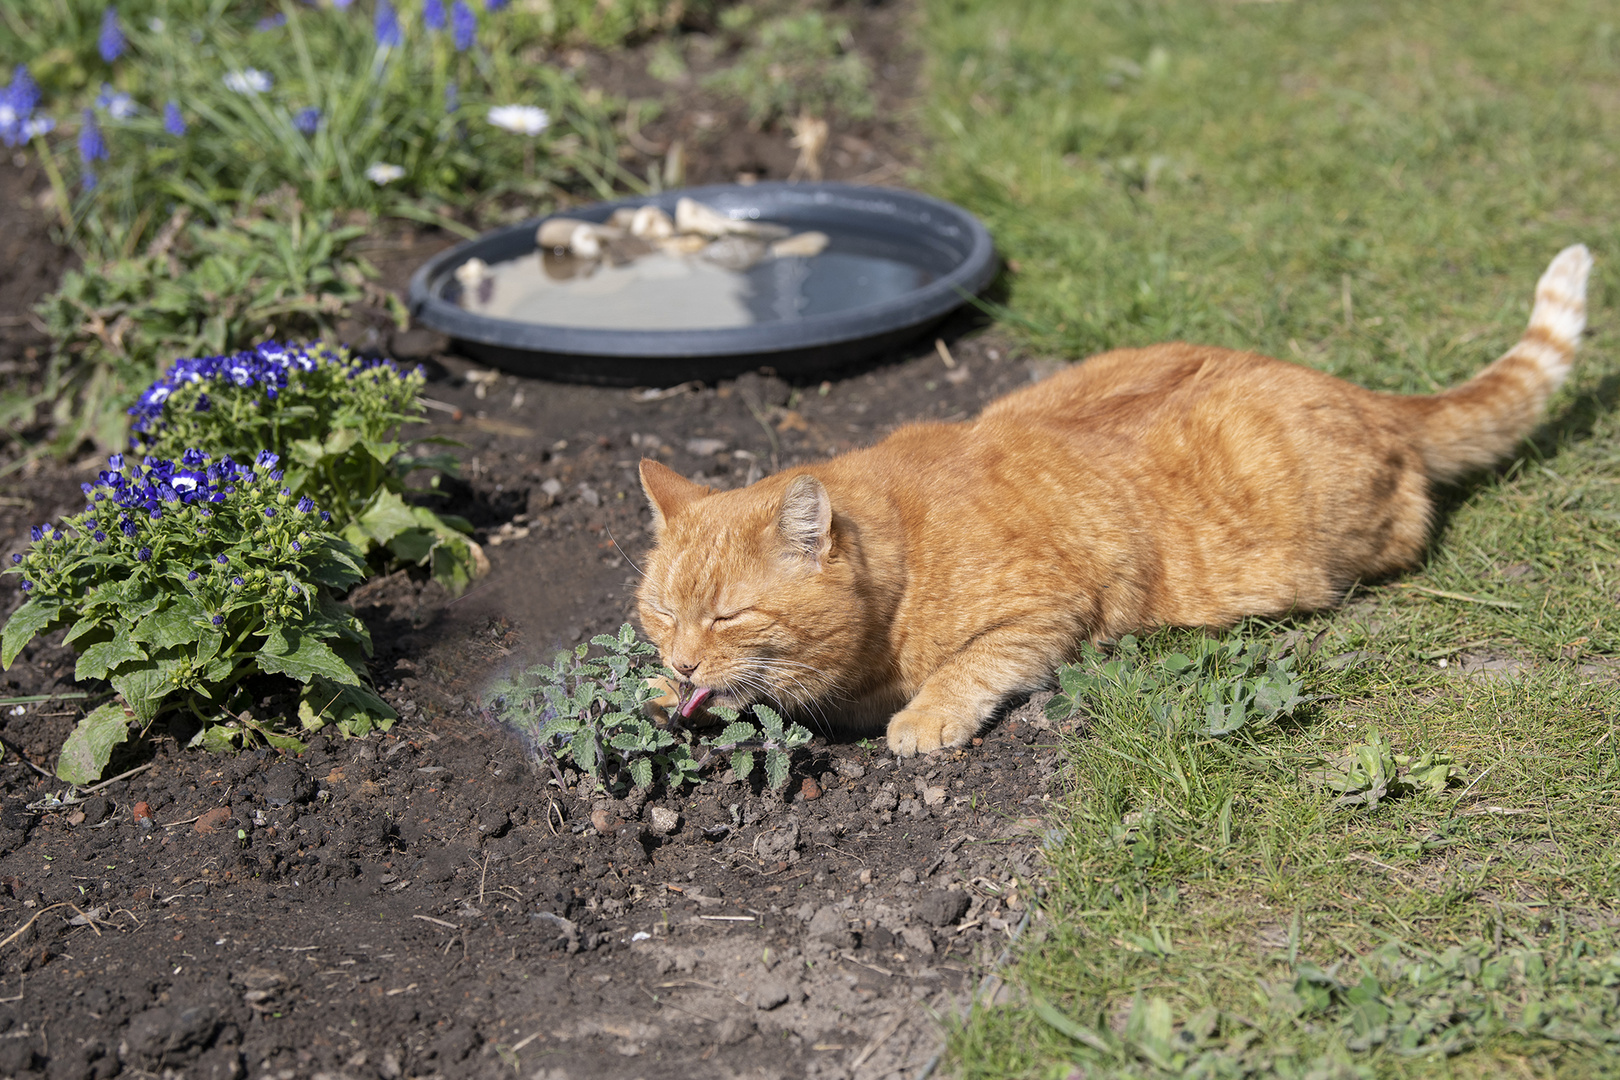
(951, 566)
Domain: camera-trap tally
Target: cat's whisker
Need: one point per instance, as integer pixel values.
(625, 553)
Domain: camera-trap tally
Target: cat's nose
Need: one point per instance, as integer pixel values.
(686, 669)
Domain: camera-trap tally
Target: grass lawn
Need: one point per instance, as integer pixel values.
(1371, 189)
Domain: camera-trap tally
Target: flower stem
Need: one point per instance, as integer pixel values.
(58, 185)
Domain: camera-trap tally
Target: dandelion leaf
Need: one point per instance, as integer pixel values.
(102, 657)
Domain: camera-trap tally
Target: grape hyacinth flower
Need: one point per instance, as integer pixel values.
(381, 173)
(92, 148)
(528, 120)
(271, 22)
(386, 26)
(463, 25)
(307, 121)
(173, 122)
(433, 14)
(119, 105)
(248, 81)
(110, 42)
(18, 124)
(494, 5)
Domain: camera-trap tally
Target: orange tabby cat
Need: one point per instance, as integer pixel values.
(951, 566)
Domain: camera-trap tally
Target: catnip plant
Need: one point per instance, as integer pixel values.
(179, 581)
(592, 712)
(336, 420)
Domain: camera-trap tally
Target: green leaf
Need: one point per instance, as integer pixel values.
(180, 623)
(735, 732)
(454, 564)
(413, 545)
(98, 659)
(776, 768)
(641, 772)
(90, 745)
(25, 622)
(145, 687)
(385, 516)
(216, 738)
(742, 763)
(303, 656)
(355, 709)
(771, 721)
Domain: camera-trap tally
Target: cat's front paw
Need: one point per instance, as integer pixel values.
(919, 731)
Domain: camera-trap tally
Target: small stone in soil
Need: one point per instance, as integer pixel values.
(941, 907)
(665, 821)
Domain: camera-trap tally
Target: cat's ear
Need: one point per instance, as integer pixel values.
(804, 523)
(667, 490)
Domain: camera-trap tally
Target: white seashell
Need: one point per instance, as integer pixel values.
(585, 241)
(735, 252)
(651, 223)
(805, 245)
(692, 216)
(473, 272)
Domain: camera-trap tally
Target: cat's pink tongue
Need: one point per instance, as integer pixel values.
(700, 694)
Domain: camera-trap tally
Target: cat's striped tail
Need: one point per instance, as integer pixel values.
(1477, 424)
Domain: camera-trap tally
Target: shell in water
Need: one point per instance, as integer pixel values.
(692, 216)
(805, 245)
(651, 223)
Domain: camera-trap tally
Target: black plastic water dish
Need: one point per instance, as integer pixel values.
(940, 235)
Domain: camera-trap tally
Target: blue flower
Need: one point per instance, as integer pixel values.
(98, 536)
(115, 461)
(27, 585)
(173, 122)
(88, 179)
(464, 25)
(193, 576)
(144, 554)
(326, 515)
(269, 511)
(266, 459)
(271, 22)
(433, 14)
(91, 145)
(218, 619)
(293, 588)
(127, 527)
(15, 558)
(494, 5)
(110, 42)
(386, 26)
(296, 546)
(119, 105)
(23, 91)
(307, 120)
(193, 458)
(36, 534)
(306, 504)
(237, 582)
(221, 559)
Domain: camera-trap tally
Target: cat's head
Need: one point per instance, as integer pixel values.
(751, 595)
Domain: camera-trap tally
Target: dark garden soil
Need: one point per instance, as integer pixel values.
(426, 902)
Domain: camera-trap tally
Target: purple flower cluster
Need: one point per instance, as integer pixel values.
(269, 366)
(147, 487)
(18, 100)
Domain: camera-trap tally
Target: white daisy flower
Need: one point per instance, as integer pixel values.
(381, 173)
(528, 120)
